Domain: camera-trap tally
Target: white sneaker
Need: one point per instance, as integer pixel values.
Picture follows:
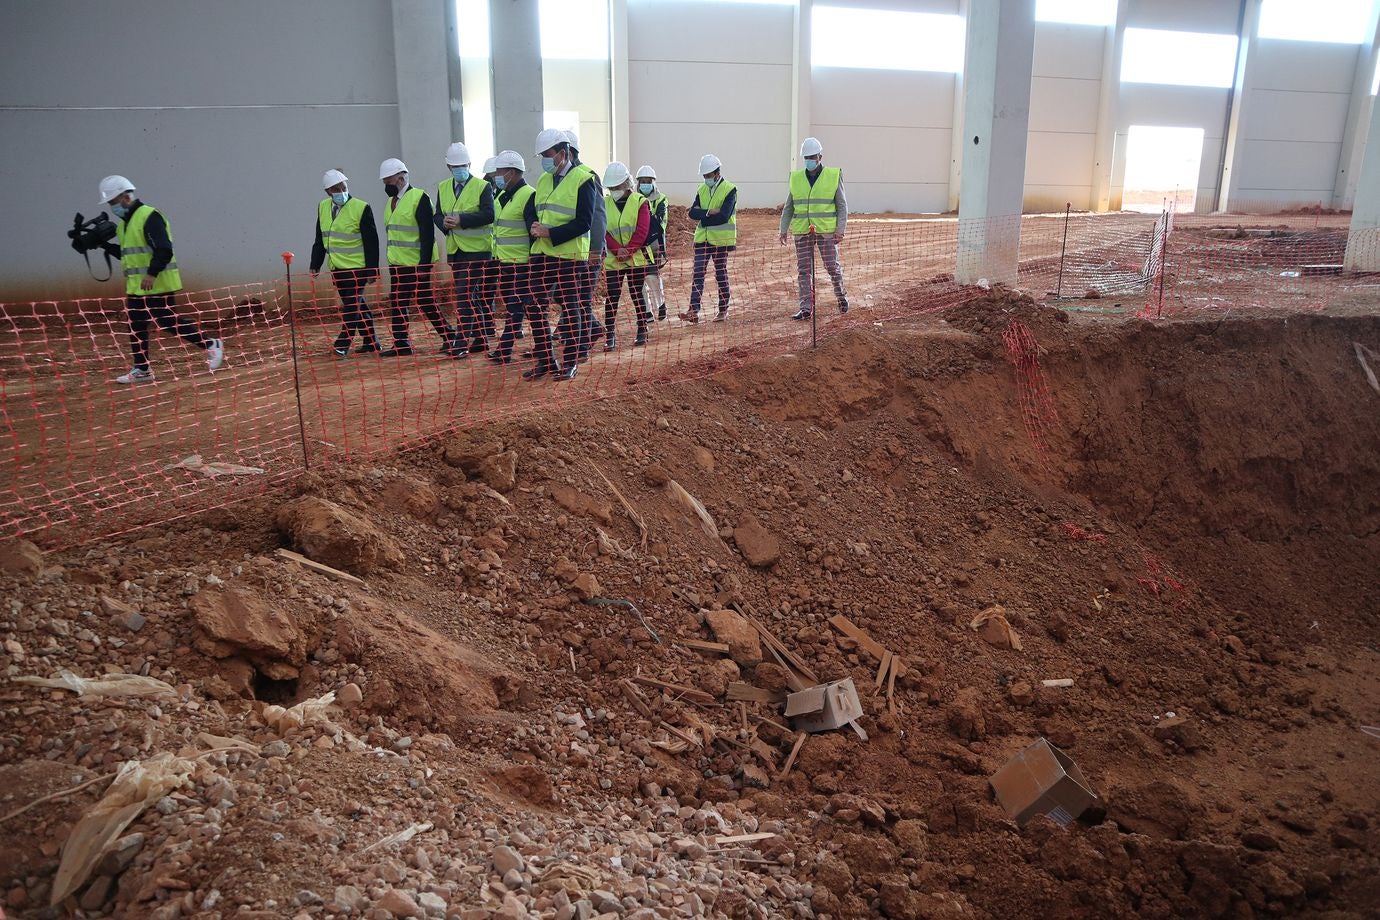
(215, 354)
(136, 375)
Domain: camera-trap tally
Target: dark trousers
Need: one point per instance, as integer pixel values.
(704, 254)
(615, 278)
(473, 295)
(156, 308)
(356, 317)
(556, 280)
(412, 285)
(514, 289)
(589, 283)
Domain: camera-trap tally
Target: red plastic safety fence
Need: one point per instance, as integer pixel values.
(85, 456)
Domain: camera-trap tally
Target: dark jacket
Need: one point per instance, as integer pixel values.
(156, 232)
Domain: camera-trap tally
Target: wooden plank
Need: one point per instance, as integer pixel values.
(776, 645)
(795, 750)
(763, 720)
(682, 734)
(700, 645)
(896, 665)
(689, 693)
(865, 642)
(794, 680)
(635, 697)
(751, 694)
(743, 838)
(886, 666)
(318, 567)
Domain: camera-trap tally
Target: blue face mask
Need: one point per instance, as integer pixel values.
(645, 188)
(812, 164)
(340, 198)
(120, 211)
(461, 173)
(500, 183)
(548, 164)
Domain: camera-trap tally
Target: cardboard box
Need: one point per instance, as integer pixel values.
(825, 707)
(1042, 780)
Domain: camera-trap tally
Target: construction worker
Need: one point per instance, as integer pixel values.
(592, 329)
(815, 214)
(465, 214)
(490, 169)
(411, 237)
(629, 223)
(656, 239)
(143, 244)
(565, 199)
(516, 213)
(347, 243)
(716, 235)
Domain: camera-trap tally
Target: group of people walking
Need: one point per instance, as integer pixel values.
(516, 248)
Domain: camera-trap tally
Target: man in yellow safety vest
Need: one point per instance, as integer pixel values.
(411, 236)
(347, 243)
(465, 214)
(716, 235)
(815, 214)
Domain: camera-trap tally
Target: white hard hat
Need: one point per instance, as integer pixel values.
(811, 147)
(490, 165)
(391, 167)
(549, 138)
(572, 140)
(333, 177)
(646, 172)
(114, 187)
(615, 174)
(709, 163)
(510, 159)
(457, 154)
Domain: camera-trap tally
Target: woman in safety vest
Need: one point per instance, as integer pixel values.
(629, 222)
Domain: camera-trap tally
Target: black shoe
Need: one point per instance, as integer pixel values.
(582, 355)
(341, 352)
(566, 374)
(368, 348)
(661, 312)
(611, 343)
(802, 314)
(723, 315)
(690, 316)
(843, 306)
(499, 357)
(640, 340)
(518, 334)
(477, 346)
(397, 351)
(529, 352)
(540, 371)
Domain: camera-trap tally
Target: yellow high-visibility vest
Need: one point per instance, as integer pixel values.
(512, 236)
(723, 234)
(460, 239)
(400, 225)
(622, 224)
(136, 255)
(814, 204)
(340, 234)
(556, 206)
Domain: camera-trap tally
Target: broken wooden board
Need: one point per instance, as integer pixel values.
(886, 666)
(699, 645)
(635, 697)
(795, 752)
(775, 645)
(689, 693)
(750, 694)
(743, 838)
(318, 567)
(865, 642)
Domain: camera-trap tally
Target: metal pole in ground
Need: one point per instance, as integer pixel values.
(296, 377)
(1164, 267)
(814, 294)
(1063, 250)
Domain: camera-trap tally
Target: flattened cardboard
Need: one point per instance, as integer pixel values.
(1042, 780)
(825, 707)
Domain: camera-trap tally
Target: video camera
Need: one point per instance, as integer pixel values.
(88, 234)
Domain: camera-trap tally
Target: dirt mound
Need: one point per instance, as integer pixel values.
(328, 533)
(991, 313)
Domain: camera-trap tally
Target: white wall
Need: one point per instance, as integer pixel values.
(223, 114)
(1064, 89)
(711, 78)
(1180, 107)
(577, 86)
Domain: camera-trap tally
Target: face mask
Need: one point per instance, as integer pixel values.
(646, 188)
(622, 193)
(812, 164)
(340, 197)
(548, 164)
(710, 182)
(120, 211)
(461, 173)
(500, 183)
(391, 190)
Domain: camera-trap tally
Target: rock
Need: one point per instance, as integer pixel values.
(704, 458)
(350, 695)
(834, 875)
(118, 858)
(133, 621)
(398, 903)
(243, 620)
(432, 904)
(912, 836)
(499, 471)
(655, 475)
(276, 749)
(347, 897)
(715, 678)
(771, 676)
(744, 646)
(1180, 731)
(1234, 645)
(97, 893)
(689, 848)
(754, 777)
(759, 547)
(577, 502)
(1348, 838)
(898, 900)
(1156, 809)
(327, 533)
(1258, 839)
(586, 586)
(506, 858)
(965, 717)
(1021, 693)
(18, 556)
(304, 897)
(413, 497)
(467, 452)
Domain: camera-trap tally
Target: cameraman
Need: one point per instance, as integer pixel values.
(151, 278)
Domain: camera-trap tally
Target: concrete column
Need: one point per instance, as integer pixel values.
(457, 103)
(620, 126)
(1108, 111)
(801, 116)
(1363, 243)
(1358, 114)
(420, 56)
(1233, 149)
(956, 134)
(996, 119)
(515, 62)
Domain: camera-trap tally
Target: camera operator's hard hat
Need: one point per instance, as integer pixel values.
(391, 167)
(114, 187)
(333, 177)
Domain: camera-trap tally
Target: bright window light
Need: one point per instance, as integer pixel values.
(561, 121)
(1344, 22)
(1162, 165)
(1077, 12)
(1178, 58)
(886, 40)
(574, 30)
(472, 28)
